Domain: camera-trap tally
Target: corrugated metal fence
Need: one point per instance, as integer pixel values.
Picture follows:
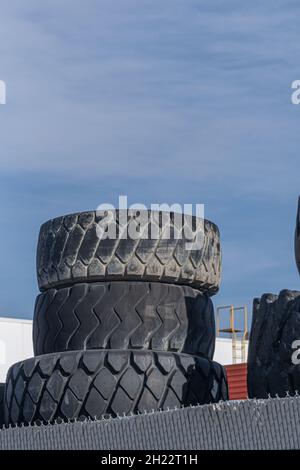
(249, 424)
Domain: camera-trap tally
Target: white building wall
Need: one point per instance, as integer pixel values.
(16, 344)
(223, 351)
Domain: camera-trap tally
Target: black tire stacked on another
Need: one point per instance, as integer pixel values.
(274, 345)
(124, 315)
(121, 325)
(2, 387)
(71, 251)
(297, 238)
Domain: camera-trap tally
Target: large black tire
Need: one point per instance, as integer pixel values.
(297, 238)
(92, 384)
(260, 342)
(124, 315)
(70, 250)
(275, 327)
(2, 386)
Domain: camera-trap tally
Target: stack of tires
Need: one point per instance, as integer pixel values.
(274, 343)
(274, 346)
(123, 324)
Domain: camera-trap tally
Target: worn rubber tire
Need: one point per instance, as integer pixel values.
(2, 386)
(275, 326)
(297, 238)
(92, 384)
(124, 315)
(262, 319)
(70, 251)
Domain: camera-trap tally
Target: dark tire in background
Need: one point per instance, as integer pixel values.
(70, 250)
(2, 387)
(297, 238)
(124, 315)
(92, 384)
(275, 328)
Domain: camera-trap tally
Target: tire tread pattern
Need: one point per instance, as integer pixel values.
(70, 251)
(275, 327)
(2, 387)
(124, 315)
(93, 384)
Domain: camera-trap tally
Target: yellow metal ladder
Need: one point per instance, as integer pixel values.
(239, 337)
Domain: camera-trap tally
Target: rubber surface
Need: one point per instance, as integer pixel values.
(1, 404)
(275, 327)
(77, 385)
(297, 238)
(71, 250)
(124, 315)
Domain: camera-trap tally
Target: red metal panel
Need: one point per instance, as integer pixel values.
(237, 381)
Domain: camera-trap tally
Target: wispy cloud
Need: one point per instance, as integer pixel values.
(184, 101)
(100, 84)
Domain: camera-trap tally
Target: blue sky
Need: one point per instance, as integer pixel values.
(174, 101)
